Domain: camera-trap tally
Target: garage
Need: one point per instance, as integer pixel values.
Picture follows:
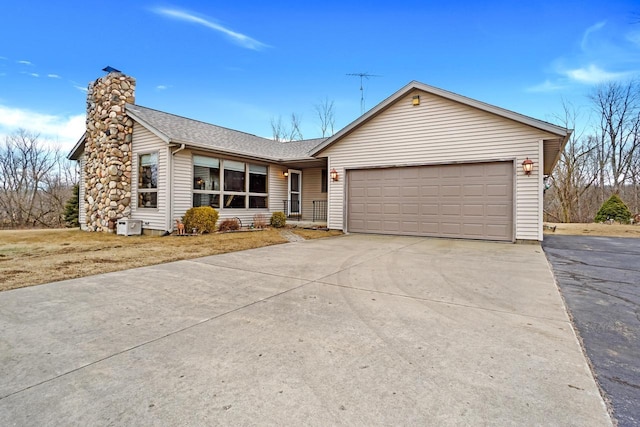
(470, 200)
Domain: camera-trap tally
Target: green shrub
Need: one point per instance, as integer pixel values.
(229, 224)
(278, 220)
(615, 209)
(202, 218)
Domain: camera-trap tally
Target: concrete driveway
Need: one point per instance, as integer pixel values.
(354, 330)
(600, 280)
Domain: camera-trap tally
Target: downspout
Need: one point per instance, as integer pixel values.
(170, 195)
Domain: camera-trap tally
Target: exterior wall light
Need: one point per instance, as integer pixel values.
(334, 174)
(416, 100)
(285, 174)
(527, 166)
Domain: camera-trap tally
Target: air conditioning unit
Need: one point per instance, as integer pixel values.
(129, 227)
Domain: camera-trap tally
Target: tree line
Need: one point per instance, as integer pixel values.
(36, 182)
(599, 161)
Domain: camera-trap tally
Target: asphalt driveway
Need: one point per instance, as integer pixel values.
(354, 330)
(600, 280)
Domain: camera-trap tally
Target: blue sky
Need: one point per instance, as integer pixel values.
(239, 64)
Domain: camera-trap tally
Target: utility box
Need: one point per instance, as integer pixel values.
(129, 227)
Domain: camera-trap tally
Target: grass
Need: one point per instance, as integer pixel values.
(33, 257)
(594, 229)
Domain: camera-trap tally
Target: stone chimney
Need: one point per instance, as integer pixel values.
(108, 151)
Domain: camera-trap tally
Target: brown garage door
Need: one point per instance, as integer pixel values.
(473, 201)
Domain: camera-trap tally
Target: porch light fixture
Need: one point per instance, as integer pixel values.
(334, 174)
(415, 100)
(527, 166)
(285, 174)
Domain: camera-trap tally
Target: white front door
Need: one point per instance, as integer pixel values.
(295, 192)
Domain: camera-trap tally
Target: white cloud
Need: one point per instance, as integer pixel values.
(546, 86)
(238, 38)
(594, 75)
(34, 74)
(53, 76)
(24, 62)
(62, 130)
(161, 87)
(588, 32)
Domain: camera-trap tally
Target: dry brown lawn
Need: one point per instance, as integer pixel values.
(593, 229)
(33, 257)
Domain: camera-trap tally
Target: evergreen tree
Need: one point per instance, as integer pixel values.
(72, 208)
(614, 209)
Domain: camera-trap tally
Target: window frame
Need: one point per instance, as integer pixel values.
(148, 190)
(223, 194)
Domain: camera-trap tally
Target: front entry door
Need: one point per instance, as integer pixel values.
(295, 192)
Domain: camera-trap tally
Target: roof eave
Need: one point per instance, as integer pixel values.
(78, 149)
(563, 143)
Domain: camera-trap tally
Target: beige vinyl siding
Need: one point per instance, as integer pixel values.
(182, 184)
(311, 190)
(440, 131)
(146, 142)
(278, 188)
(82, 211)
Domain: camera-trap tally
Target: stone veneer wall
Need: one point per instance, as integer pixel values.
(108, 151)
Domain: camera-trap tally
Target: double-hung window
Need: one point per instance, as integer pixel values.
(148, 180)
(229, 184)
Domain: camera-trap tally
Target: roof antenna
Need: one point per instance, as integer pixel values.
(366, 76)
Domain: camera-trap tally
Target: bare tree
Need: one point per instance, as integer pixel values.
(33, 179)
(295, 134)
(282, 132)
(618, 108)
(326, 117)
(277, 129)
(575, 172)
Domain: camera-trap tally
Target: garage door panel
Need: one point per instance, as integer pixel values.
(473, 210)
(473, 229)
(498, 169)
(473, 190)
(392, 208)
(498, 230)
(410, 191)
(410, 227)
(373, 208)
(497, 190)
(429, 190)
(450, 209)
(429, 209)
(390, 191)
(391, 226)
(451, 228)
(429, 228)
(461, 200)
(450, 190)
(410, 209)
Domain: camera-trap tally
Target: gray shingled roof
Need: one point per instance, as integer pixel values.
(181, 130)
